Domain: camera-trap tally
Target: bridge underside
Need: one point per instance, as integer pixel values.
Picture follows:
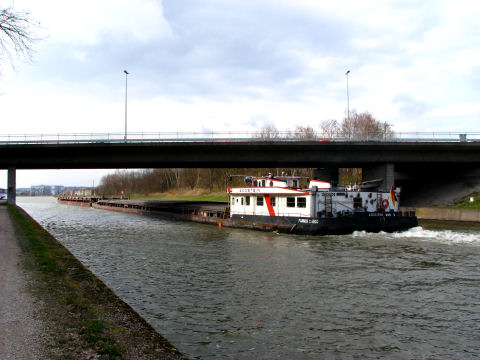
(431, 185)
(425, 185)
(237, 154)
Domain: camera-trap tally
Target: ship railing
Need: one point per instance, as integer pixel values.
(78, 198)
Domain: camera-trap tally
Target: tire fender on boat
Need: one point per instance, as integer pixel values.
(385, 203)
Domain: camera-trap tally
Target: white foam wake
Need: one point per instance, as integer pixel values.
(419, 233)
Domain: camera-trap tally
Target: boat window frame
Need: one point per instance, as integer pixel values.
(291, 201)
(247, 200)
(272, 200)
(303, 203)
(260, 201)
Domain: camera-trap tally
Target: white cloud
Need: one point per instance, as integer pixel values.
(88, 21)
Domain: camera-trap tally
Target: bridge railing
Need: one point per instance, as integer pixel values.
(232, 136)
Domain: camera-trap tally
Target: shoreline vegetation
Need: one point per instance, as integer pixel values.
(83, 318)
(465, 202)
(195, 195)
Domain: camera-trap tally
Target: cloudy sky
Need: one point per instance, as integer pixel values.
(238, 65)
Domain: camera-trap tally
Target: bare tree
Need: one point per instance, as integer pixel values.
(330, 128)
(16, 36)
(268, 132)
(358, 126)
(365, 126)
(302, 132)
(191, 177)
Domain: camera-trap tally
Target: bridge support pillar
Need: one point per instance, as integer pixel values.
(12, 186)
(383, 172)
(327, 174)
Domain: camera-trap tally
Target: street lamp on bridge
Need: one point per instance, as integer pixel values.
(126, 83)
(348, 98)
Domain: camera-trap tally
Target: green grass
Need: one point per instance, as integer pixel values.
(466, 204)
(221, 198)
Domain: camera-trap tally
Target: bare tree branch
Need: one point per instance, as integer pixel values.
(16, 38)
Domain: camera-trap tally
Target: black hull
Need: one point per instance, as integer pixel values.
(370, 222)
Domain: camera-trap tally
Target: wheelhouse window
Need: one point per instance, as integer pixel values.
(301, 202)
(247, 200)
(259, 200)
(292, 183)
(290, 202)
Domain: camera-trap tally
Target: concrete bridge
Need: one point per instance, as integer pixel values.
(399, 162)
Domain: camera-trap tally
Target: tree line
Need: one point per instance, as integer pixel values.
(151, 181)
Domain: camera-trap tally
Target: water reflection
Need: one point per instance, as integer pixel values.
(228, 293)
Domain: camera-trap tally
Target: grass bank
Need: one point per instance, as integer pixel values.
(196, 195)
(465, 203)
(84, 318)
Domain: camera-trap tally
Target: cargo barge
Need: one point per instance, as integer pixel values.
(279, 204)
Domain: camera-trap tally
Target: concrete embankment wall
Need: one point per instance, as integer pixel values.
(448, 214)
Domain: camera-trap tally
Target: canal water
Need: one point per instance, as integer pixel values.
(219, 293)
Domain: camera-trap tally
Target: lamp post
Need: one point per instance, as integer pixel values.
(126, 83)
(348, 98)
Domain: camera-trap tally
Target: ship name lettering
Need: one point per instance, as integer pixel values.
(308, 221)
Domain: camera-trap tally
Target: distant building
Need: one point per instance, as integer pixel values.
(53, 190)
(57, 189)
(41, 190)
(23, 191)
(78, 191)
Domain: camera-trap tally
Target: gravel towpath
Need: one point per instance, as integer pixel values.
(20, 329)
